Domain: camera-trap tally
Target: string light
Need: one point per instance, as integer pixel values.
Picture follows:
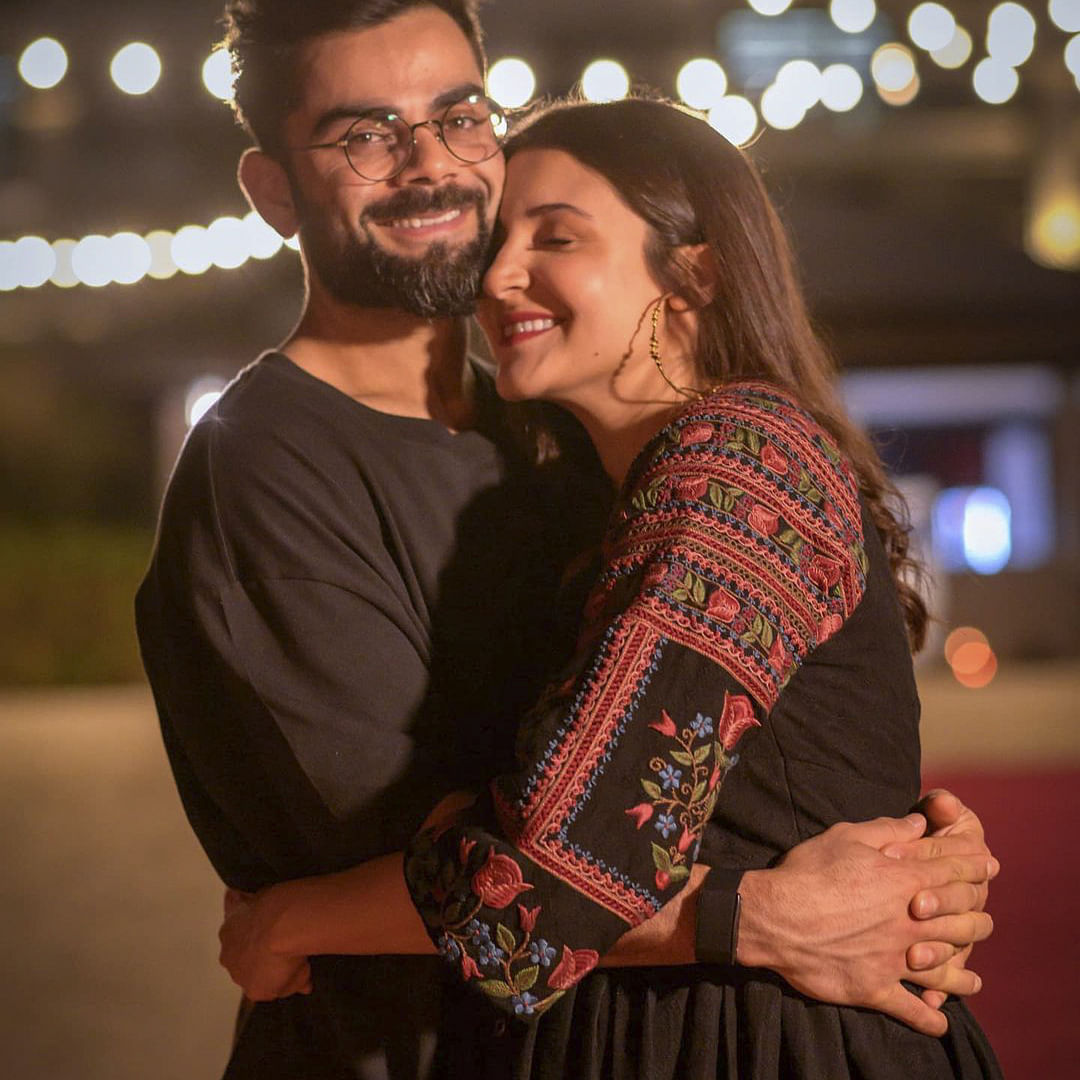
(136, 68)
(605, 80)
(701, 83)
(931, 26)
(43, 63)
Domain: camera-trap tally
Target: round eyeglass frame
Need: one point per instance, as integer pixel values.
(436, 123)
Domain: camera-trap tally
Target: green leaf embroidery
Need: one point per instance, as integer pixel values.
(698, 591)
(717, 496)
(652, 789)
(758, 625)
(526, 978)
(766, 634)
(787, 537)
(804, 481)
(814, 495)
(505, 938)
(701, 753)
(496, 988)
(545, 1003)
(661, 859)
(682, 757)
(753, 440)
(678, 873)
(699, 790)
(681, 595)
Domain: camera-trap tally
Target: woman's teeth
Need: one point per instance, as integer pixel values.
(529, 327)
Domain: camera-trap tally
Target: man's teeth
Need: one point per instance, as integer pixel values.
(528, 327)
(425, 223)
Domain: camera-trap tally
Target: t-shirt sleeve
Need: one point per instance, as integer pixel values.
(736, 549)
(270, 627)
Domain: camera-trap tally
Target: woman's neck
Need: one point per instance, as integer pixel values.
(620, 433)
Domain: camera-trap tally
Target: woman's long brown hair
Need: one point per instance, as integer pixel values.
(693, 187)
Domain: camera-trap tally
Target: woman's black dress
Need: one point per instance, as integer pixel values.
(742, 681)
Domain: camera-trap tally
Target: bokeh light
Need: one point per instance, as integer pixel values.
(43, 63)
(35, 261)
(605, 80)
(893, 67)
(1052, 237)
(1065, 15)
(769, 7)
(781, 109)
(995, 82)
(228, 243)
(136, 68)
(701, 83)
(969, 655)
(852, 16)
(735, 118)
(191, 250)
(931, 26)
(1010, 34)
(511, 82)
(129, 258)
(957, 53)
(162, 264)
(218, 75)
(91, 262)
(1072, 55)
(802, 81)
(263, 241)
(841, 88)
(202, 396)
(63, 275)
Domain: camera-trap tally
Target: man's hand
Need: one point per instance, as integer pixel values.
(835, 917)
(260, 973)
(954, 830)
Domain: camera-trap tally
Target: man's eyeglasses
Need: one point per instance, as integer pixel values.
(379, 144)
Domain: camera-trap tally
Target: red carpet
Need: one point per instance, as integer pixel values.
(1031, 965)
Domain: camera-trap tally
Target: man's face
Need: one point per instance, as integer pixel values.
(418, 241)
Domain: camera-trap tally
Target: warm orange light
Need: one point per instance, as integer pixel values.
(983, 676)
(962, 635)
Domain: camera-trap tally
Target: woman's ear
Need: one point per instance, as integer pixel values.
(694, 266)
(266, 185)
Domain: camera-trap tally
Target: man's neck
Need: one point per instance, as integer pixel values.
(389, 360)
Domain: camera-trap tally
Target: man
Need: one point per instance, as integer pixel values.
(350, 600)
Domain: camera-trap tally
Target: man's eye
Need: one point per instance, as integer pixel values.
(555, 241)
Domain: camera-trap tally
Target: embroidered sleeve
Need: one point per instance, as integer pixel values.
(736, 549)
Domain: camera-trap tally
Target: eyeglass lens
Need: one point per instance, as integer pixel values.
(378, 146)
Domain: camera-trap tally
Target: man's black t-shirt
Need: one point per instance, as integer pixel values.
(345, 614)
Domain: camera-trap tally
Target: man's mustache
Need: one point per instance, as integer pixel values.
(411, 202)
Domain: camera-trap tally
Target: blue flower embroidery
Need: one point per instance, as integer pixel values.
(670, 776)
(701, 726)
(479, 933)
(523, 1003)
(489, 954)
(665, 823)
(449, 948)
(540, 952)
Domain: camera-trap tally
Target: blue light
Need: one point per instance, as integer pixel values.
(973, 529)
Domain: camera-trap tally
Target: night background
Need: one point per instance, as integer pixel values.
(928, 168)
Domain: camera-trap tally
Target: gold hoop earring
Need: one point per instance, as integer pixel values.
(654, 353)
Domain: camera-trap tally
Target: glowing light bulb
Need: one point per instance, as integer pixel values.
(605, 80)
(852, 16)
(735, 118)
(218, 75)
(511, 82)
(136, 68)
(841, 88)
(701, 83)
(995, 82)
(43, 63)
(956, 53)
(931, 26)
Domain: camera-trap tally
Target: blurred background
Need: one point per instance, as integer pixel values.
(926, 158)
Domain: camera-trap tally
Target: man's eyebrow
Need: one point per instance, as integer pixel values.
(552, 207)
(352, 110)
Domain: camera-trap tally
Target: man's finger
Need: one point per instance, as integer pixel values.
(934, 998)
(925, 955)
(974, 869)
(938, 847)
(913, 1011)
(952, 899)
(948, 980)
(883, 831)
(959, 930)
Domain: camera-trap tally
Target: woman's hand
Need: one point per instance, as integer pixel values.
(245, 954)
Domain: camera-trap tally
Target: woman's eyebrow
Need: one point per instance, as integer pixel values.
(550, 208)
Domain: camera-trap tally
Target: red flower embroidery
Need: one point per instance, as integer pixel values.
(464, 848)
(717, 772)
(823, 571)
(574, 965)
(666, 725)
(737, 717)
(468, 967)
(685, 840)
(777, 654)
(499, 880)
(663, 880)
(764, 520)
(771, 458)
(643, 811)
(828, 626)
(722, 605)
(692, 487)
(696, 433)
(527, 917)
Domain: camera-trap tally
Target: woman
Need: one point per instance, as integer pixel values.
(751, 603)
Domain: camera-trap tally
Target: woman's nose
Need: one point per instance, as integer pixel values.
(505, 274)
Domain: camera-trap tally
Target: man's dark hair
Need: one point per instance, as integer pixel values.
(264, 37)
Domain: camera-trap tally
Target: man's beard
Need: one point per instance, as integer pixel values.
(444, 281)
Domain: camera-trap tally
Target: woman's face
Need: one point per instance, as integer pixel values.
(568, 298)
